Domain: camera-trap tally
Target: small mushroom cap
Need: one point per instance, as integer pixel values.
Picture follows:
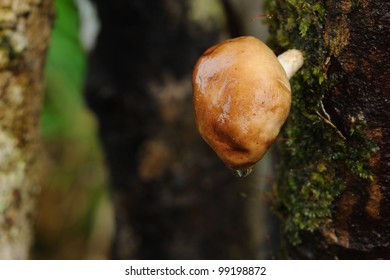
(241, 98)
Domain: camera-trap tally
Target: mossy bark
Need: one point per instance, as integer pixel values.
(24, 34)
(333, 191)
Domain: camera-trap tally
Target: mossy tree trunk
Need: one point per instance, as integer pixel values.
(24, 34)
(334, 186)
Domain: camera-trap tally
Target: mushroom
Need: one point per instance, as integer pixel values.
(242, 97)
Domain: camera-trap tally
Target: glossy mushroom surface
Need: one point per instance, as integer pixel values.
(241, 98)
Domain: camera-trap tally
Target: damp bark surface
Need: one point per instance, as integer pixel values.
(174, 199)
(334, 188)
(24, 34)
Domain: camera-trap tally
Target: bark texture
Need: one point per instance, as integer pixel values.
(173, 197)
(24, 34)
(361, 93)
(334, 189)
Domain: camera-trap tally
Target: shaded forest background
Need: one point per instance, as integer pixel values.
(75, 216)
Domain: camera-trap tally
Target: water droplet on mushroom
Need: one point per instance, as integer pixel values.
(241, 173)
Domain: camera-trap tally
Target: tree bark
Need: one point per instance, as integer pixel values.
(333, 191)
(173, 197)
(24, 34)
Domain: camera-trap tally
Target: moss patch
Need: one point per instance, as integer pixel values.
(316, 157)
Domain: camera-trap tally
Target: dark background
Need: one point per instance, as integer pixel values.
(125, 164)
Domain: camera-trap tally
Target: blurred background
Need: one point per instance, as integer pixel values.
(82, 190)
(74, 210)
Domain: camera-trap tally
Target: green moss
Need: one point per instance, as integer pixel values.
(310, 178)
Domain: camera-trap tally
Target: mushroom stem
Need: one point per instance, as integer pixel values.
(292, 61)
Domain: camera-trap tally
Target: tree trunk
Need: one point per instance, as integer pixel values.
(25, 30)
(173, 197)
(333, 192)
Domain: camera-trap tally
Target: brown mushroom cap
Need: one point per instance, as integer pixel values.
(242, 97)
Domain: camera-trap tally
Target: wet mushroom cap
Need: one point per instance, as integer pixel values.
(241, 98)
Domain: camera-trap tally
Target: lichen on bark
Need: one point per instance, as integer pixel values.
(24, 33)
(319, 157)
